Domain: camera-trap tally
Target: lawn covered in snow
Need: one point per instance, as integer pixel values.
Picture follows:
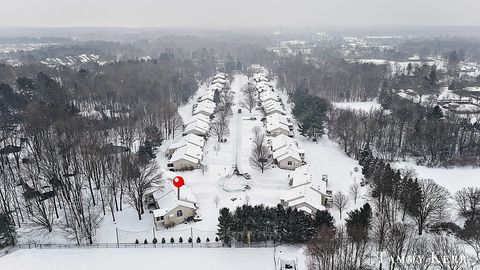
(140, 258)
(365, 106)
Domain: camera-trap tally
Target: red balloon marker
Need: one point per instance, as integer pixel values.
(178, 181)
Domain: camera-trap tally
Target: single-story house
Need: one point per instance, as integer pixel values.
(269, 95)
(275, 128)
(281, 141)
(220, 75)
(288, 158)
(306, 198)
(271, 107)
(189, 138)
(170, 209)
(184, 158)
(197, 127)
(205, 107)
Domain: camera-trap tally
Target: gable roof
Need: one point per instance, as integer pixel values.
(189, 152)
(287, 152)
(189, 138)
(303, 195)
(167, 198)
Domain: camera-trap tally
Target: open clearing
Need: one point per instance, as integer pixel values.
(139, 258)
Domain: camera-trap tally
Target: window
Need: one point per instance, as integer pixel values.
(158, 218)
(179, 213)
(161, 218)
(289, 163)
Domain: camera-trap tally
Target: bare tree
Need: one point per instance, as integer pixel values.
(446, 247)
(431, 207)
(261, 155)
(354, 191)
(467, 201)
(340, 202)
(140, 179)
(220, 128)
(249, 101)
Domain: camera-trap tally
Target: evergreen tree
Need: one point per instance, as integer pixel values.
(180, 240)
(145, 241)
(172, 240)
(7, 231)
(137, 242)
(163, 240)
(358, 223)
(323, 218)
(225, 225)
(154, 241)
(190, 240)
(199, 240)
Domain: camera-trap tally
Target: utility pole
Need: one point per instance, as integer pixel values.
(116, 233)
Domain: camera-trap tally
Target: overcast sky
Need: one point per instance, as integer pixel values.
(236, 13)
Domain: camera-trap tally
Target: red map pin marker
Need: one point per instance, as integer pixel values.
(178, 181)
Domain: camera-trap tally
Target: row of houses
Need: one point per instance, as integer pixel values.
(309, 192)
(285, 151)
(187, 152)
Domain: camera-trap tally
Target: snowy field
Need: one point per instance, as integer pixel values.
(128, 259)
(360, 106)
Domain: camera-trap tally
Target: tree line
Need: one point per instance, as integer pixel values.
(407, 130)
(77, 144)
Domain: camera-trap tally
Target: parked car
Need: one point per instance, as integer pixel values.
(253, 118)
(239, 110)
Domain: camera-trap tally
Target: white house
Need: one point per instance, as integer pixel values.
(281, 141)
(169, 207)
(184, 158)
(271, 107)
(277, 124)
(205, 107)
(198, 117)
(308, 193)
(306, 198)
(269, 95)
(197, 127)
(288, 157)
(189, 138)
(209, 94)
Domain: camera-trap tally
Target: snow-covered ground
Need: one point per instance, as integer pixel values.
(140, 258)
(360, 106)
(453, 179)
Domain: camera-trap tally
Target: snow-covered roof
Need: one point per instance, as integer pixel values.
(220, 81)
(167, 198)
(220, 75)
(189, 152)
(307, 195)
(198, 117)
(189, 138)
(260, 77)
(276, 120)
(209, 94)
(216, 86)
(302, 175)
(198, 126)
(206, 107)
(281, 141)
(272, 106)
(287, 152)
(269, 95)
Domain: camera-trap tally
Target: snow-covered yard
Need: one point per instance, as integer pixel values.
(140, 258)
(360, 106)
